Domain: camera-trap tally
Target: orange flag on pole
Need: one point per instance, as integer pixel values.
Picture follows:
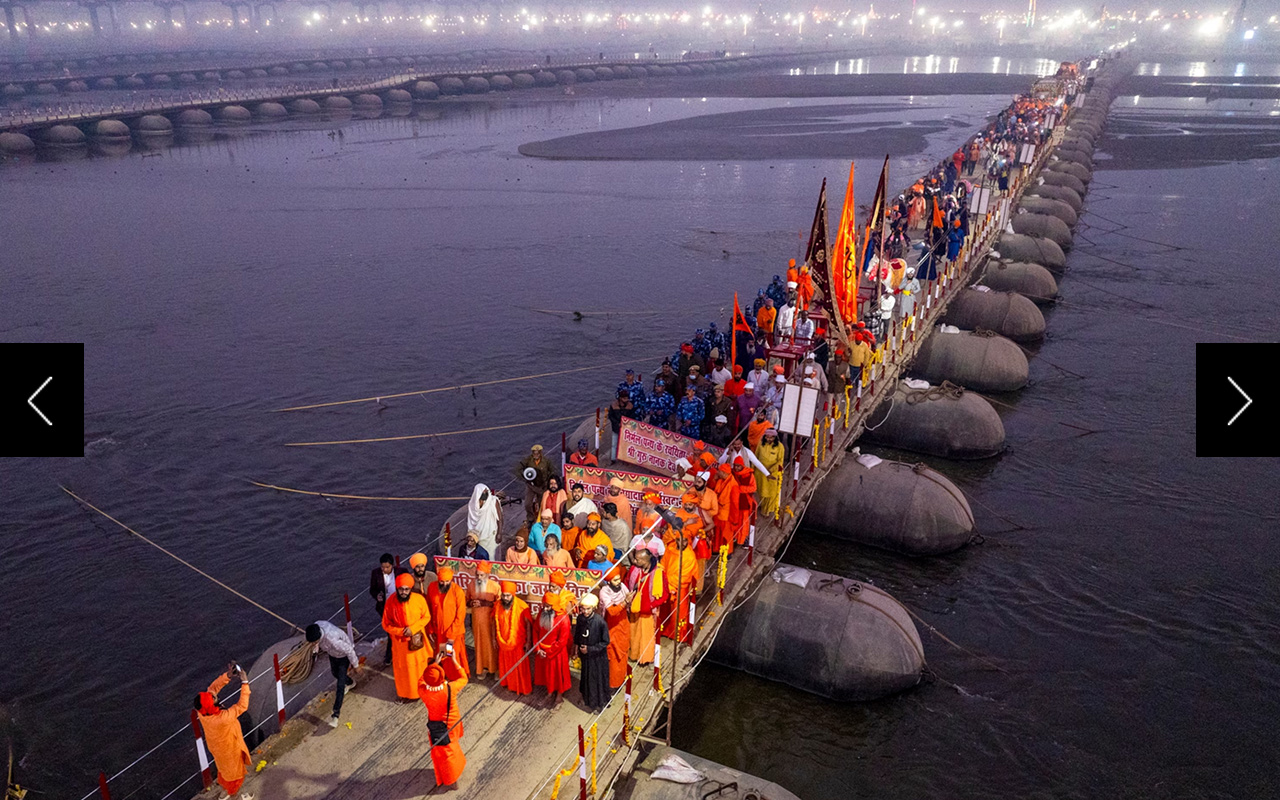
(844, 259)
(739, 324)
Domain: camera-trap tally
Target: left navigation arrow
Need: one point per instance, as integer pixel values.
(31, 401)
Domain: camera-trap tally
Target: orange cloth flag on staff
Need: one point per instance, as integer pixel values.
(844, 261)
(739, 324)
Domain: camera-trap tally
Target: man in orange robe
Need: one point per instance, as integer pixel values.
(222, 732)
(680, 564)
(552, 638)
(482, 597)
(613, 599)
(805, 289)
(448, 615)
(512, 617)
(726, 489)
(592, 538)
(693, 531)
(741, 516)
(648, 515)
(404, 615)
(648, 588)
(439, 687)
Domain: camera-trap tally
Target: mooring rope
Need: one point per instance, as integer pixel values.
(467, 385)
(349, 496)
(443, 433)
(181, 560)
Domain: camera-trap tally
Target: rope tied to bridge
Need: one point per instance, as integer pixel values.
(947, 390)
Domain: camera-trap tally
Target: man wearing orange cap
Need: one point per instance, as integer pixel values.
(694, 532)
(648, 589)
(726, 489)
(613, 601)
(422, 577)
(744, 514)
(222, 732)
(448, 616)
(735, 385)
(482, 596)
(647, 517)
(512, 617)
(552, 637)
(439, 687)
(680, 565)
(805, 289)
(405, 619)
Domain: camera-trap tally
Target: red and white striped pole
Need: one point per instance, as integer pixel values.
(626, 710)
(102, 786)
(693, 612)
(346, 606)
(206, 774)
(582, 765)
(275, 659)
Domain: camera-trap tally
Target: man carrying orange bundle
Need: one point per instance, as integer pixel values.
(513, 620)
(222, 732)
(405, 619)
(449, 616)
(439, 687)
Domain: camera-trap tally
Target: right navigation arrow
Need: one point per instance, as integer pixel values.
(1248, 401)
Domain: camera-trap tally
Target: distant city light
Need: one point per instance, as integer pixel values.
(1212, 26)
(1247, 34)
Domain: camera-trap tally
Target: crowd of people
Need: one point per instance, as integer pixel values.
(723, 389)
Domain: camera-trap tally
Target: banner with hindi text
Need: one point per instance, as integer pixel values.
(595, 484)
(533, 580)
(653, 448)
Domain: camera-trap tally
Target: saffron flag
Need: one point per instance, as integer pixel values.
(739, 324)
(843, 268)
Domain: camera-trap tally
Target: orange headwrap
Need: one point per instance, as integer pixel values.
(557, 578)
(689, 497)
(484, 566)
(418, 560)
(549, 600)
(508, 587)
(445, 574)
(208, 704)
(725, 468)
(652, 497)
(707, 459)
(404, 581)
(616, 572)
(433, 675)
(593, 516)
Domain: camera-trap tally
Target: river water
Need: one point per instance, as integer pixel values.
(1118, 640)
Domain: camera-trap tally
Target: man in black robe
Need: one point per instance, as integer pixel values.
(591, 635)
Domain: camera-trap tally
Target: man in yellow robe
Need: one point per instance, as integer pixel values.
(405, 619)
(773, 456)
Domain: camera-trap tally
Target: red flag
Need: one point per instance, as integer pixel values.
(739, 324)
(843, 267)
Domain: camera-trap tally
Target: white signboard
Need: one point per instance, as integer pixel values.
(979, 200)
(799, 406)
(1028, 154)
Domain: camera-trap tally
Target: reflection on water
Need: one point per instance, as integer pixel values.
(1203, 69)
(932, 65)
